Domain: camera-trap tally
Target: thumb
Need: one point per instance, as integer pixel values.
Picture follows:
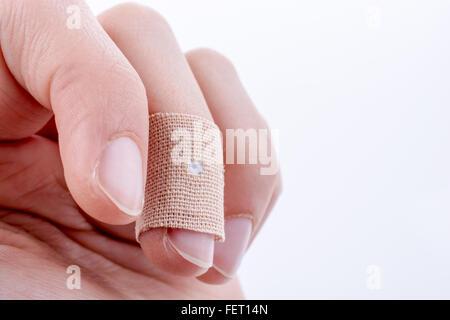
(75, 70)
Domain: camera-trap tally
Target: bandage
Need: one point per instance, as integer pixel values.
(185, 176)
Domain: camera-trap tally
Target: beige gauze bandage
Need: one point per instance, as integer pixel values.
(185, 176)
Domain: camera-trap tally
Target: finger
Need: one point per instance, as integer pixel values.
(147, 41)
(273, 200)
(97, 98)
(30, 171)
(20, 114)
(247, 190)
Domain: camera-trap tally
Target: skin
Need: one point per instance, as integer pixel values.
(64, 95)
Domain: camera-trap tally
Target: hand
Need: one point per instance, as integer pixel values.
(74, 109)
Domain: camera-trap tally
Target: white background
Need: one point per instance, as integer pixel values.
(360, 91)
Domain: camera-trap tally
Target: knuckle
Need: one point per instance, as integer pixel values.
(12, 13)
(212, 58)
(135, 17)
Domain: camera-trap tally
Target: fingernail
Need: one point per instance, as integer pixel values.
(119, 175)
(228, 254)
(195, 247)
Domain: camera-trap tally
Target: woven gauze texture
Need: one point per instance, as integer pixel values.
(185, 175)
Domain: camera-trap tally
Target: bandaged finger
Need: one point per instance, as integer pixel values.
(185, 176)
